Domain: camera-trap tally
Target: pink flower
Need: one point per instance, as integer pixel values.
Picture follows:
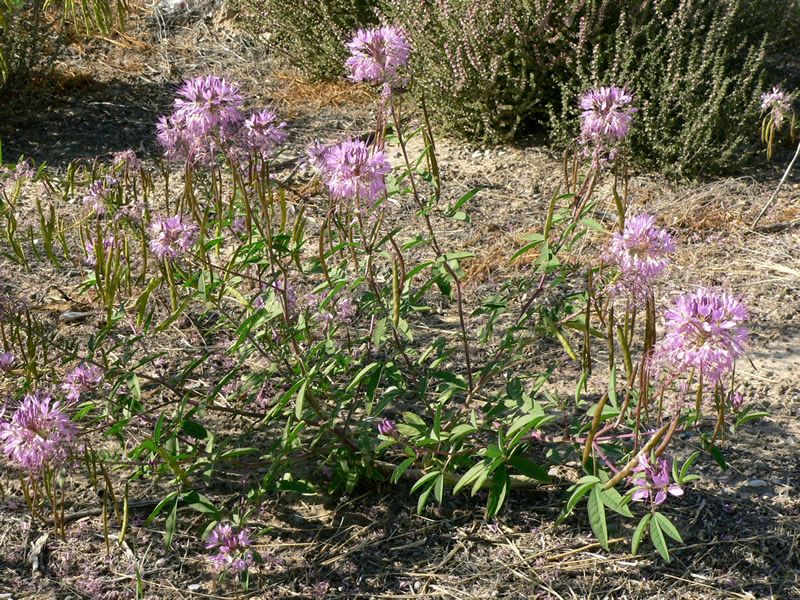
(99, 190)
(232, 548)
(91, 254)
(351, 172)
(388, 428)
(379, 55)
(705, 331)
(208, 103)
(653, 482)
(83, 378)
(38, 434)
(172, 237)
(640, 252)
(206, 116)
(606, 113)
(263, 133)
(7, 360)
(778, 103)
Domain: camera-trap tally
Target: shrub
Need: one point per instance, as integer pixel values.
(485, 68)
(33, 32)
(311, 35)
(696, 69)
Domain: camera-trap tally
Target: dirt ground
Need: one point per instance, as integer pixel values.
(741, 527)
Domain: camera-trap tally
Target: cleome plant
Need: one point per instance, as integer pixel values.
(310, 338)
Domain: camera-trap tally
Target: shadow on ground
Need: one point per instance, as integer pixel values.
(77, 117)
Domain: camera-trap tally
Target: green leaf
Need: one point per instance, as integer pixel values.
(499, 491)
(424, 479)
(529, 468)
(400, 470)
(639, 533)
(597, 515)
(580, 491)
(460, 431)
(657, 537)
(667, 527)
(470, 475)
(361, 375)
(171, 524)
(686, 466)
(194, 429)
(160, 506)
(379, 333)
(199, 503)
(438, 488)
(717, 455)
(616, 502)
(301, 396)
(423, 498)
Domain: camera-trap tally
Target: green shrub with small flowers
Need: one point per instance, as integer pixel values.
(316, 364)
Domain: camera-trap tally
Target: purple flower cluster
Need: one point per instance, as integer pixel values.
(127, 159)
(262, 133)
(232, 548)
(39, 434)
(83, 378)
(705, 331)
(379, 55)
(207, 120)
(341, 308)
(640, 252)
(388, 428)
(350, 170)
(778, 103)
(171, 237)
(652, 482)
(7, 360)
(99, 190)
(605, 120)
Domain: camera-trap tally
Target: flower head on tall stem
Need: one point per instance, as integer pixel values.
(207, 103)
(351, 171)
(263, 133)
(98, 191)
(641, 253)
(379, 55)
(7, 360)
(91, 254)
(705, 331)
(38, 434)
(83, 378)
(606, 112)
(606, 115)
(172, 237)
(778, 104)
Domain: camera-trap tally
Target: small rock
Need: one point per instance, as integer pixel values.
(72, 316)
(193, 587)
(477, 154)
(757, 483)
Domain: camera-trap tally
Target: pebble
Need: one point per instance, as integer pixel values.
(193, 587)
(757, 483)
(477, 154)
(72, 316)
